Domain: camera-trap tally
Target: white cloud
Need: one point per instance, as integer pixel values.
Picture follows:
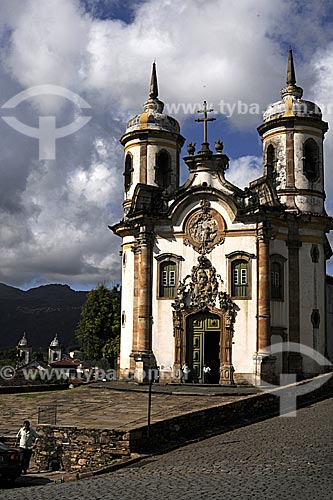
(243, 170)
(54, 215)
(48, 43)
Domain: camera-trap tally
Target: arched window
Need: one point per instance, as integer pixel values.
(311, 160)
(168, 275)
(128, 174)
(240, 274)
(168, 279)
(277, 276)
(163, 169)
(270, 159)
(240, 278)
(276, 280)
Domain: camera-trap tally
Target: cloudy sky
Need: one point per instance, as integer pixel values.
(54, 213)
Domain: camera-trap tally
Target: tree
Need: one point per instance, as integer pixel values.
(8, 357)
(99, 328)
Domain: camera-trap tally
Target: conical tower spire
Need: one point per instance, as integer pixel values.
(153, 90)
(153, 104)
(291, 89)
(291, 77)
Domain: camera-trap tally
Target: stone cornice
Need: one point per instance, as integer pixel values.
(290, 122)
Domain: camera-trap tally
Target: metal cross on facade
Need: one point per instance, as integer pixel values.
(205, 119)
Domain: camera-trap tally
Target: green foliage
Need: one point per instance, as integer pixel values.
(99, 328)
(39, 356)
(8, 357)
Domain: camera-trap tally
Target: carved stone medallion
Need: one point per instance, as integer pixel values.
(204, 229)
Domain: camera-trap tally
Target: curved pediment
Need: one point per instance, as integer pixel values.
(187, 203)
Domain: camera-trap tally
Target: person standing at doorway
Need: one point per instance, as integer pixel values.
(187, 372)
(206, 372)
(27, 439)
(181, 375)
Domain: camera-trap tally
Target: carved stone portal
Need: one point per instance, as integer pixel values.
(204, 229)
(200, 291)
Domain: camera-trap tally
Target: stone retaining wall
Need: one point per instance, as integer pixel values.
(171, 433)
(73, 449)
(76, 449)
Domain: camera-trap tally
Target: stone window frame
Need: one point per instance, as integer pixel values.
(315, 253)
(270, 163)
(314, 152)
(161, 259)
(128, 171)
(123, 319)
(315, 320)
(158, 167)
(232, 259)
(280, 260)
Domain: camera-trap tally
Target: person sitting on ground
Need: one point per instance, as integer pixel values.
(28, 439)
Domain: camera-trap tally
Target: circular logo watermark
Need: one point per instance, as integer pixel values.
(288, 390)
(47, 132)
(7, 372)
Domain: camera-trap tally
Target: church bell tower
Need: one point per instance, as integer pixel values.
(152, 144)
(292, 134)
(292, 137)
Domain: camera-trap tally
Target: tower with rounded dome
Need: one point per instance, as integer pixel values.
(55, 350)
(152, 144)
(24, 350)
(292, 135)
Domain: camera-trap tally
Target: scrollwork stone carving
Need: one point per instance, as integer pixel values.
(200, 290)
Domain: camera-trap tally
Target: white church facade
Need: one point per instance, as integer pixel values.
(214, 274)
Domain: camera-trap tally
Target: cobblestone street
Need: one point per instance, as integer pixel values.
(280, 458)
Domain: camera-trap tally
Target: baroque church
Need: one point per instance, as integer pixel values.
(216, 275)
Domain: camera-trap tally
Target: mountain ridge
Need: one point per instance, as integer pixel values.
(40, 312)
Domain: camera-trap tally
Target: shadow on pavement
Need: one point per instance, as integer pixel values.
(25, 481)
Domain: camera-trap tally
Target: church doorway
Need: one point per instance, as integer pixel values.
(203, 337)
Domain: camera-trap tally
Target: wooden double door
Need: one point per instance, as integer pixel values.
(203, 346)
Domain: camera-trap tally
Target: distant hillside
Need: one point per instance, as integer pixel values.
(41, 313)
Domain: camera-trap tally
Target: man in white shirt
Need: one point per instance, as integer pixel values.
(28, 439)
(206, 370)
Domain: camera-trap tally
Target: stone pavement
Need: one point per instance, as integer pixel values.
(112, 405)
(276, 459)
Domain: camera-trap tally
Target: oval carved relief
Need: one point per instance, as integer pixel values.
(204, 229)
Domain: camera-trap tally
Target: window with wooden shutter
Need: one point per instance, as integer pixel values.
(240, 282)
(167, 279)
(276, 280)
